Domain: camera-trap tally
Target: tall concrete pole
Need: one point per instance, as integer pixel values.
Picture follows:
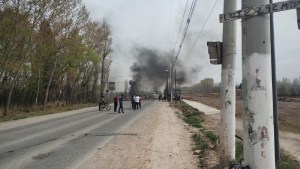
(171, 81)
(175, 87)
(227, 139)
(257, 90)
(167, 83)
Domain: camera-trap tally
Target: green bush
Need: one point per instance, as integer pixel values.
(193, 121)
(239, 151)
(200, 143)
(287, 162)
(212, 137)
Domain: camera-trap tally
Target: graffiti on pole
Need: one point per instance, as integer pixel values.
(263, 139)
(257, 85)
(260, 10)
(227, 101)
(252, 134)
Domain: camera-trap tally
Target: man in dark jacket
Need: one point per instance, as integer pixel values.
(121, 103)
(115, 103)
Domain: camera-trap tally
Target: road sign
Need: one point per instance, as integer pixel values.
(264, 9)
(111, 86)
(215, 52)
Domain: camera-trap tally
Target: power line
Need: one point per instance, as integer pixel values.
(180, 26)
(194, 43)
(192, 8)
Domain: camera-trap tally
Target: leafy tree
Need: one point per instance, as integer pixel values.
(97, 37)
(207, 85)
(14, 49)
(295, 87)
(51, 52)
(283, 87)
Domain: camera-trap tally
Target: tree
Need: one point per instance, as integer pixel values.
(295, 87)
(14, 48)
(207, 85)
(283, 87)
(65, 18)
(50, 51)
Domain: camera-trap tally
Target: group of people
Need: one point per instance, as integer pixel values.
(136, 102)
(165, 98)
(119, 100)
(168, 98)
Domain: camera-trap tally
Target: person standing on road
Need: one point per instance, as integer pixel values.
(133, 102)
(137, 101)
(121, 103)
(115, 103)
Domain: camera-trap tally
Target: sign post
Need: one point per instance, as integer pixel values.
(215, 52)
(111, 86)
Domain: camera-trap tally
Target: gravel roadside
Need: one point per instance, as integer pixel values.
(159, 139)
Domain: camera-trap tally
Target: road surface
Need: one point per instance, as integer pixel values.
(63, 142)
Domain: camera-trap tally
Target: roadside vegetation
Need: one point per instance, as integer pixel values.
(207, 141)
(286, 160)
(285, 87)
(288, 91)
(45, 59)
(50, 110)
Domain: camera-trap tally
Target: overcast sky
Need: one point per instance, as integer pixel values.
(154, 24)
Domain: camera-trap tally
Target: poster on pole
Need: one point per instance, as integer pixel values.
(111, 86)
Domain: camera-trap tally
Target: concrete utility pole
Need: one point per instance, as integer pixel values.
(257, 90)
(167, 83)
(227, 131)
(175, 87)
(171, 81)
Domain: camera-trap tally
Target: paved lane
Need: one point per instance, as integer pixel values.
(63, 142)
(202, 107)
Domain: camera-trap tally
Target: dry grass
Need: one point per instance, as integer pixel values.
(51, 109)
(289, 110)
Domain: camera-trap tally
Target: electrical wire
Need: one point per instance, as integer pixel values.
(192, 8)
(180, 27)
(194, 43)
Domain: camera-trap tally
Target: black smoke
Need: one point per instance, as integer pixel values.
(149, 69)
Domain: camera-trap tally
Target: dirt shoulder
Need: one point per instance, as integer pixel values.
(289, 141)
(160, 139)
(288, 110)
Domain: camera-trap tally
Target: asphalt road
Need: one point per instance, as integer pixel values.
(65, 142)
